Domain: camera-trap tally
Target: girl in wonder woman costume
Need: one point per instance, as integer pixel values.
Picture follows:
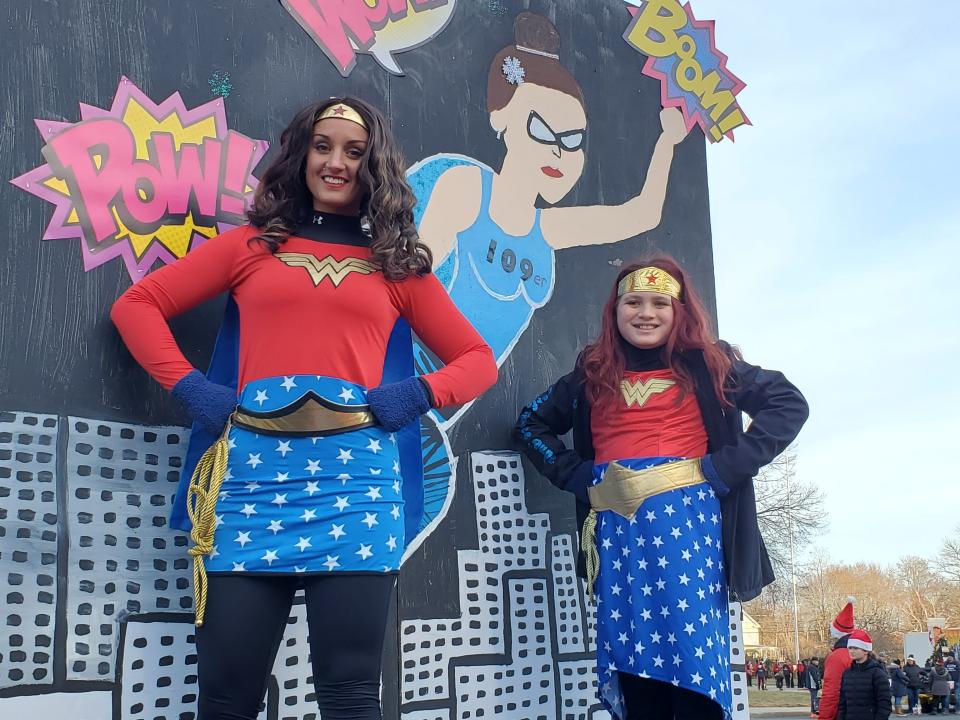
(662, 471)
(304, 487)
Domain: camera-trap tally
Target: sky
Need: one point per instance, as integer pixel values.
(836, 235)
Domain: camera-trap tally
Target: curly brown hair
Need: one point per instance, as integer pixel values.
(283, 200)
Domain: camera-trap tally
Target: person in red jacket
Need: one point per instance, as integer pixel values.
(837, 662)
(304, 488)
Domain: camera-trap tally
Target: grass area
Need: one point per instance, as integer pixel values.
(778, 698)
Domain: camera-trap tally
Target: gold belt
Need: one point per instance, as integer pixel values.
(623, 490)
(309, 415)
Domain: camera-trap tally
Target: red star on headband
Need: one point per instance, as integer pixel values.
(651, 279)
(339, 110)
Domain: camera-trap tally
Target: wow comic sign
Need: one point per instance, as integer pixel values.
(143, 181)
(343, 28)
(682, 54)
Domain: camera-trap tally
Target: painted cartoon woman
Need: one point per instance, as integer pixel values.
(494, 247)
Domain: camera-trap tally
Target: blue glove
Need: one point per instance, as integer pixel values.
(580, 479)
(207, 403)
(713, 477)
(400, 403)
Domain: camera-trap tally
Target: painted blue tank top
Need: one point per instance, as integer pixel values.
(496, 279)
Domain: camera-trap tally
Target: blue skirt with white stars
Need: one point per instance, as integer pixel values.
(662, 607)
(314, 504)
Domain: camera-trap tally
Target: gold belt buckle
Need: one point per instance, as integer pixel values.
(309, 415)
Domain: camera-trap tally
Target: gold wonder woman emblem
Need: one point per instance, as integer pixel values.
(328, 267)
(639, 392)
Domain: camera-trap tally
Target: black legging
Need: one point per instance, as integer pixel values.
(244, 625)
(648, 699)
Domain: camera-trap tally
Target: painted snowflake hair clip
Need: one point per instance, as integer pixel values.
(513, 70)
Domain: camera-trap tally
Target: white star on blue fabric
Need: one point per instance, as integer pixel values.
(365, 551)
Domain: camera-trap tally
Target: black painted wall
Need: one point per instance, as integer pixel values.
(58, 351)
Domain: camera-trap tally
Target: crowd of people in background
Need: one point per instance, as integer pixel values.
(939, 678)
(853, 683)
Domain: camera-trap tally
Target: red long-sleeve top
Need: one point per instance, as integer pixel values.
(314, 307)
(833, 668)
(650, 420)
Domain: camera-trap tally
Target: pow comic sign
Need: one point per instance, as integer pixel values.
(143, 181)
(342, 28)
(682, 54)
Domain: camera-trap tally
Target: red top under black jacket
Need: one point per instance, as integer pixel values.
(314, 308)
(652, 418)
(777, 410)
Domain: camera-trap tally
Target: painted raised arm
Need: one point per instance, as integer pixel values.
(599, 224)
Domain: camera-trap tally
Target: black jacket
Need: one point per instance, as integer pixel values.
(898, 680)
(813, 676)
(914, 675)
(777, 410)
(865, 692)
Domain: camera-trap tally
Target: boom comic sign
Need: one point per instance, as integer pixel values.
(342, 28)
(143, 181)
(682, 54)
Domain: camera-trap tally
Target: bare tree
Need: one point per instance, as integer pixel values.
(924, 594)
(784, 502)
(948, 559)
(890, 601)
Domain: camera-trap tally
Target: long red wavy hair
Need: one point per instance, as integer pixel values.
(603, 360)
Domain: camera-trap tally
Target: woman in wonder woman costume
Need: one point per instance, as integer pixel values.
(304, 487)
(662, 471)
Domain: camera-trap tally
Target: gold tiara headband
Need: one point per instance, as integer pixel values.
(344, 112)
(650, 279)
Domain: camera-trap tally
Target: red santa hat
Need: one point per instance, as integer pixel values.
(843, 623)
(859, 639)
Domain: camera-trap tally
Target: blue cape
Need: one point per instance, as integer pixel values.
(223, 370)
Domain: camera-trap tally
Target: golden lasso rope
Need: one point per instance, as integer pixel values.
(202, 497)
(588, 543)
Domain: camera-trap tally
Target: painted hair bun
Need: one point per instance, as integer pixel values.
(535, 32)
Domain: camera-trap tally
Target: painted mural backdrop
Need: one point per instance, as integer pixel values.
(548, 145)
